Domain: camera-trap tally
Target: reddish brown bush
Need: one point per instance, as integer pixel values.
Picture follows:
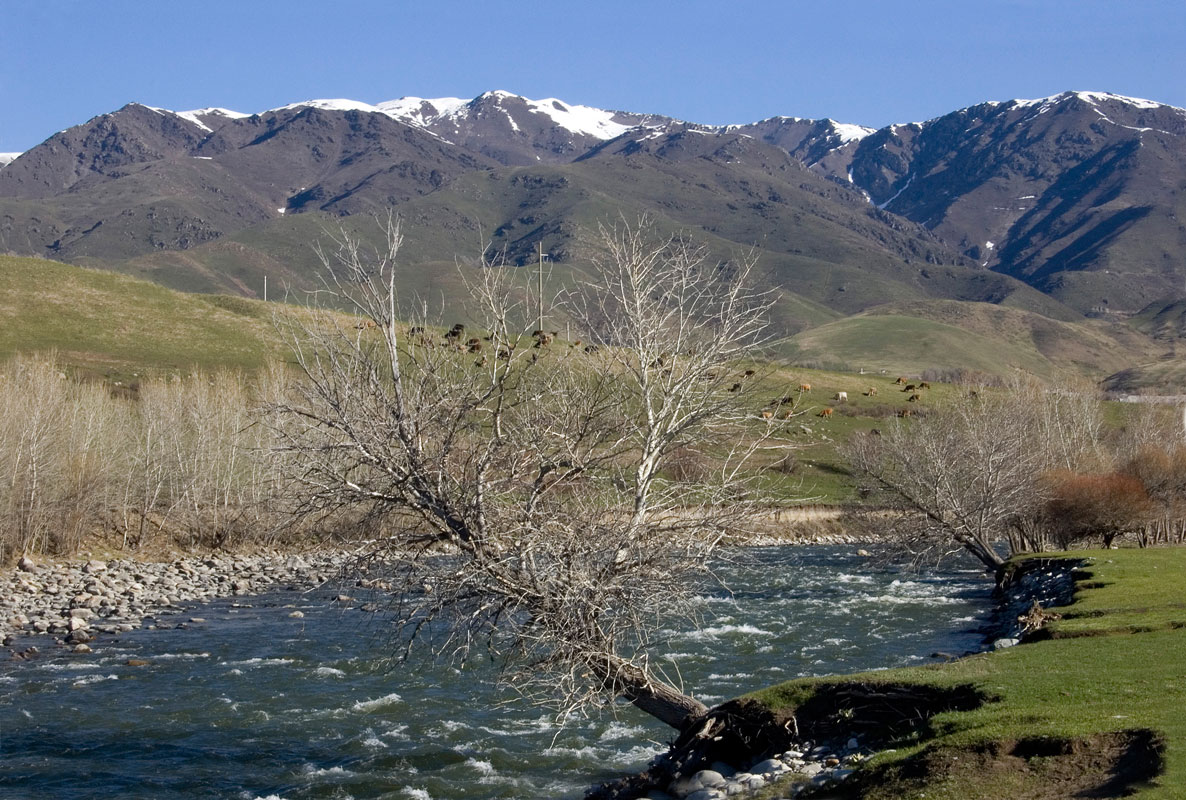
(1081, 506)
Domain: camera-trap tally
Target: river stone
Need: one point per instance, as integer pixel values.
(750, 783)
(1001, 644)
(706, 794)
(771, 766)
(704, 779)
(93, 566)
(26, 564)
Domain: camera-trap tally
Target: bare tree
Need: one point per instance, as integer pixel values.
(967, 476)
(521, 483)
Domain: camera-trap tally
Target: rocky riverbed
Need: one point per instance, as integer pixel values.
(76, 601)
(794, 771)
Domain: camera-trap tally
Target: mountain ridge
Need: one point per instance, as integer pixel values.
(1069, 206)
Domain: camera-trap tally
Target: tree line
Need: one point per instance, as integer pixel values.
(184, 463)
(1025, 468)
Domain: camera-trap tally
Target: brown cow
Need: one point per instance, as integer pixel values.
(805, 387)
(900, 381)
(904, 412)
(735, 387)
(910, 387)
(872, 392)
(924, 385)
(827, 412)
(914, 398)
(767, 414)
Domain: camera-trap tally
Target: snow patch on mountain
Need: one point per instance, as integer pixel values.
(422, 112)
(848, 132)
(335, 104)
(425, 112)
(7, 158)
(590, 121)
(1044, 104)
(194, 117)
(214, 112)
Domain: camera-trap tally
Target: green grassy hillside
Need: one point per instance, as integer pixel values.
(947, 336)
(113, 325)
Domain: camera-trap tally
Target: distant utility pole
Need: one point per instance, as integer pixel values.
(539, 322)
(265, 288)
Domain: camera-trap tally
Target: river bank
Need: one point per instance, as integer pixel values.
(1088, 706)
(750, 748)
(74, 601)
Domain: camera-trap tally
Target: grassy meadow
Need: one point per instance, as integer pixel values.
(112, 326)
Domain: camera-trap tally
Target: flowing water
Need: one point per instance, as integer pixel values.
(250, 702)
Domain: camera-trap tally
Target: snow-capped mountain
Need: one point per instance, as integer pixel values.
(1078, 194)
(1061, 191)
(515, 130)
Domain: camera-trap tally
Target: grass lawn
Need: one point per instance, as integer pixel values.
(1095, 706)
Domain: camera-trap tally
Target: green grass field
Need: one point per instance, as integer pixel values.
(1093, 708)
(949, 336)
(107, 324)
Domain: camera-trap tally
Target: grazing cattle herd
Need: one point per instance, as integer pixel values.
(455, 338)
(913, 392)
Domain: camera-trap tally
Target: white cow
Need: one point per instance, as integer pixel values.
(841, 397)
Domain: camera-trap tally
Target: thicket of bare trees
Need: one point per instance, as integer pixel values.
(531, 492)
(967, 477)
(185, 462)
(1022, 468)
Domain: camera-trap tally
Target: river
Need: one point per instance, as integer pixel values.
(247, 701)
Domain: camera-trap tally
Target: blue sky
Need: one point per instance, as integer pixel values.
(865, 62)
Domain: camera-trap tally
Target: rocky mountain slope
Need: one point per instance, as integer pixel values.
(1068, 206)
